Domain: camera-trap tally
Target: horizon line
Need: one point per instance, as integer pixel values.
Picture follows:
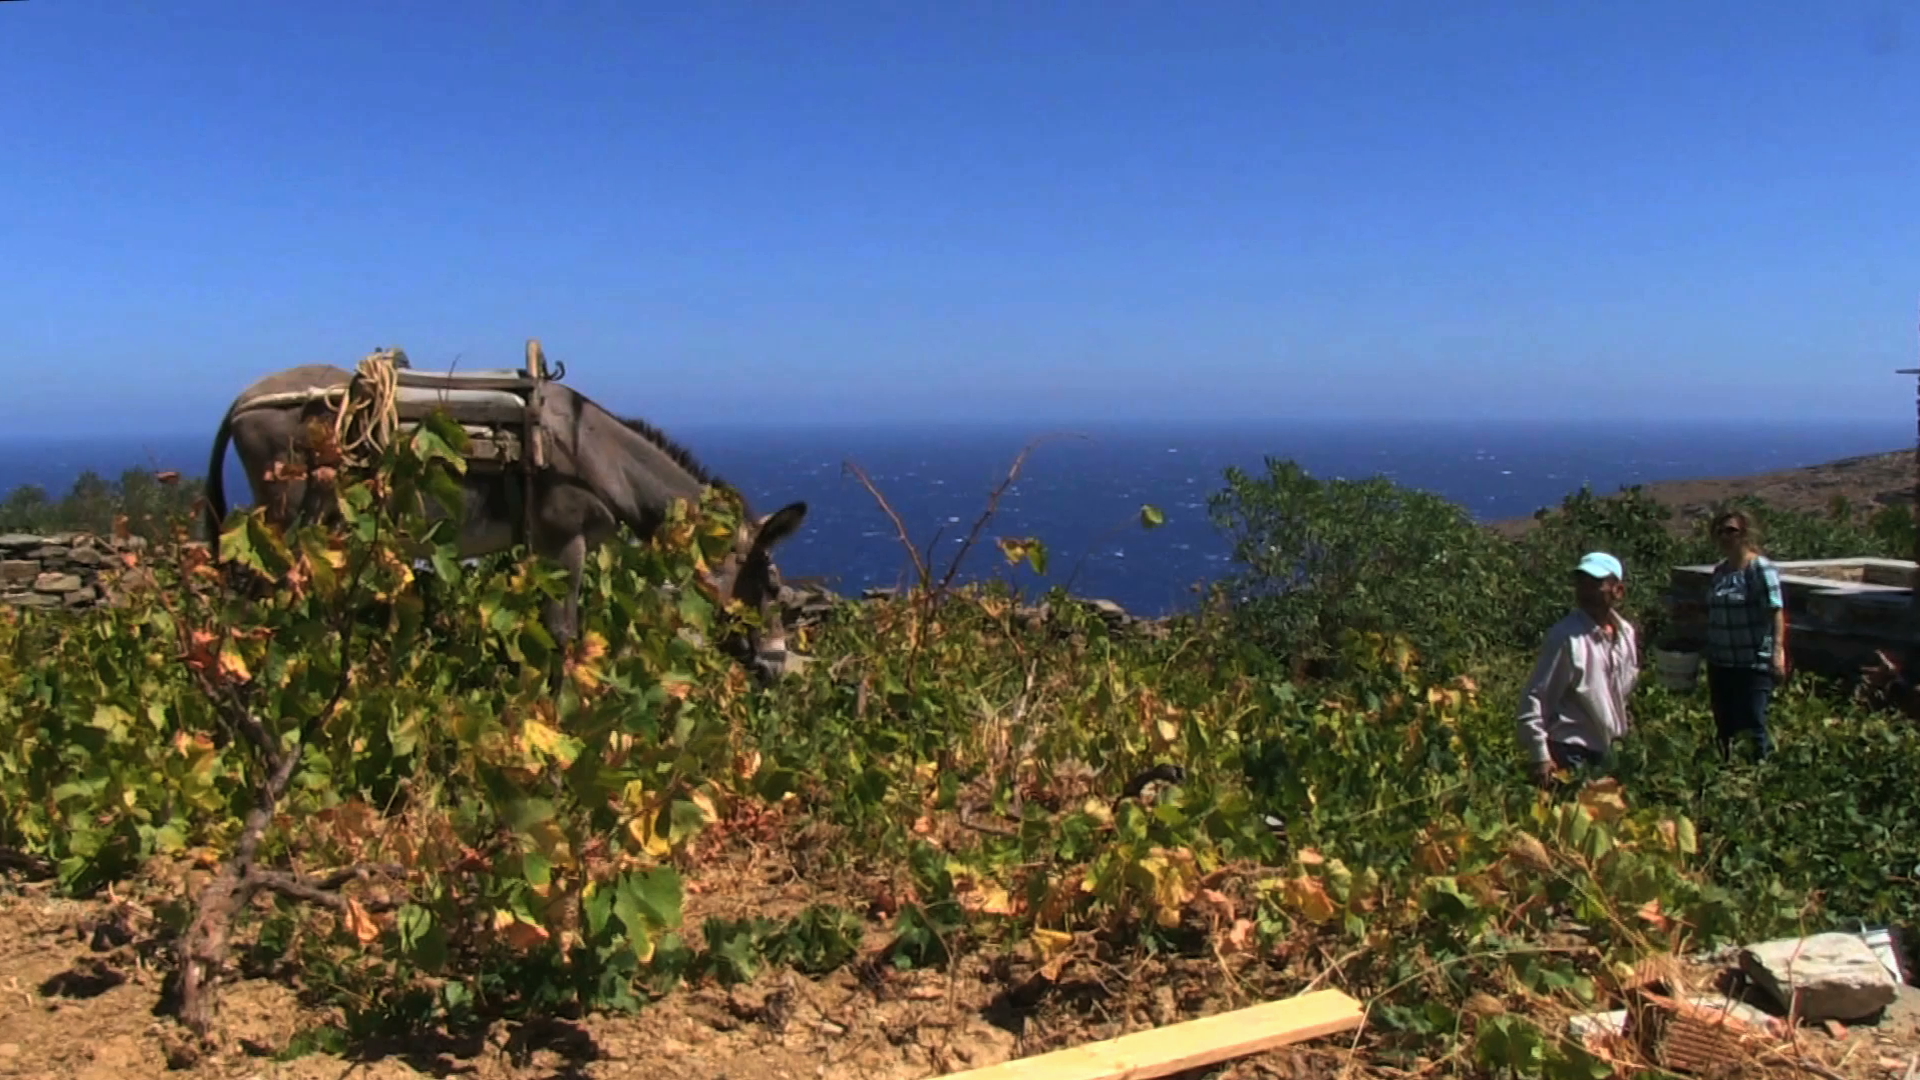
(1043, 426)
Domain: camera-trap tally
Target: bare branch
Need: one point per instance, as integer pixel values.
(35, 866)
(993, 504)
(919, 564)
(324, 891)
(204, 945)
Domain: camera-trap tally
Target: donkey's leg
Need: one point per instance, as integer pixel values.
(569, 520)
(563, 616)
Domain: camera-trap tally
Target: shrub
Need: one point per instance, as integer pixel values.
(1323, 560)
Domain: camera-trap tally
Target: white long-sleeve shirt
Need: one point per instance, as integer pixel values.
(1580, 685)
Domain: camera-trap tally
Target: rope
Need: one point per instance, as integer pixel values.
(367, 420)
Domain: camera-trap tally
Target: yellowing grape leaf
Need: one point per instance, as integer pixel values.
(1527, 849)
(520, 935)
(592, 647)
(1603, 799)
(551, 842)
(360, 924)
(232, 664)
(1308, 896)
(650, 840)
(1048, 944)
(1215, 903)
(548, 742)
(1172, 885)
(987, 899)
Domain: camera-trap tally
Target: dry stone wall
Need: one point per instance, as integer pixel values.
(80, 570)
(60, 570)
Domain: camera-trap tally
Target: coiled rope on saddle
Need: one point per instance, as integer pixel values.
(368, 407)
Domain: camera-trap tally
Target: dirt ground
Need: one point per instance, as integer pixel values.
(78, 1002)
(1869, 481)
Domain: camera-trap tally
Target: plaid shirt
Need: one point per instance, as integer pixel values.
(1740, 607)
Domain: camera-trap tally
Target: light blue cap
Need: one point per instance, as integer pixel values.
(1599, 564)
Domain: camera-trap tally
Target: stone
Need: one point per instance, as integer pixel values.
(52, 582)
(21, 540)
(18, 571)
(85, 556)
(1588, 1025)
(50, 551)
(1832, 976)
(82, 596)
(31, 599)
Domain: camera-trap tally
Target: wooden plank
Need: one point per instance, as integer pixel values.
(433, 380)
(466, 412)
(1187, 1045)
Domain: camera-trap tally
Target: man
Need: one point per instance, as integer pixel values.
(1575, 706)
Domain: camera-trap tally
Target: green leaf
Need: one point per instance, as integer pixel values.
(525, 813)
(1151, 517)
(112, 719)
(685, 820)
(649, 900)
(536, 869)
(450, 442)
(695, 609)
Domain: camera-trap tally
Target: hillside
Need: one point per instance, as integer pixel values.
(1867, 481)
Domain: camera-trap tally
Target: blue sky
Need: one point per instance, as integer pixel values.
(777, 213)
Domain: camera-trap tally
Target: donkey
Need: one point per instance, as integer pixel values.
(602, 471)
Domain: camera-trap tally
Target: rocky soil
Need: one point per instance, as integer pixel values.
(1868, 481)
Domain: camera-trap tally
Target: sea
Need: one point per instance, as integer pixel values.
(1082, 487)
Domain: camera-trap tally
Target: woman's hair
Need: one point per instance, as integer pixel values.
(1749, 534)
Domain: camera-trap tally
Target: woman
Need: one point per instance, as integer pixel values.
(1746, 635)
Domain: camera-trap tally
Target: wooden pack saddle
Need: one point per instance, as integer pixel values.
(494, 406)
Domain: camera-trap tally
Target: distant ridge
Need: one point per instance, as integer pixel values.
(1866, 481)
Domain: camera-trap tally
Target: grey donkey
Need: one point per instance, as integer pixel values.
(601, 471)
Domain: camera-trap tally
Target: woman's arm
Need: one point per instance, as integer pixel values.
(1778, 603)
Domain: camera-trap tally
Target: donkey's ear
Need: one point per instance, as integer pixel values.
(779, 525)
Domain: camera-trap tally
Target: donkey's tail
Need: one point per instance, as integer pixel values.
(216, 483)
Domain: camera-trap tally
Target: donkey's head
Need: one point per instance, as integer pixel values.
(748, 575)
